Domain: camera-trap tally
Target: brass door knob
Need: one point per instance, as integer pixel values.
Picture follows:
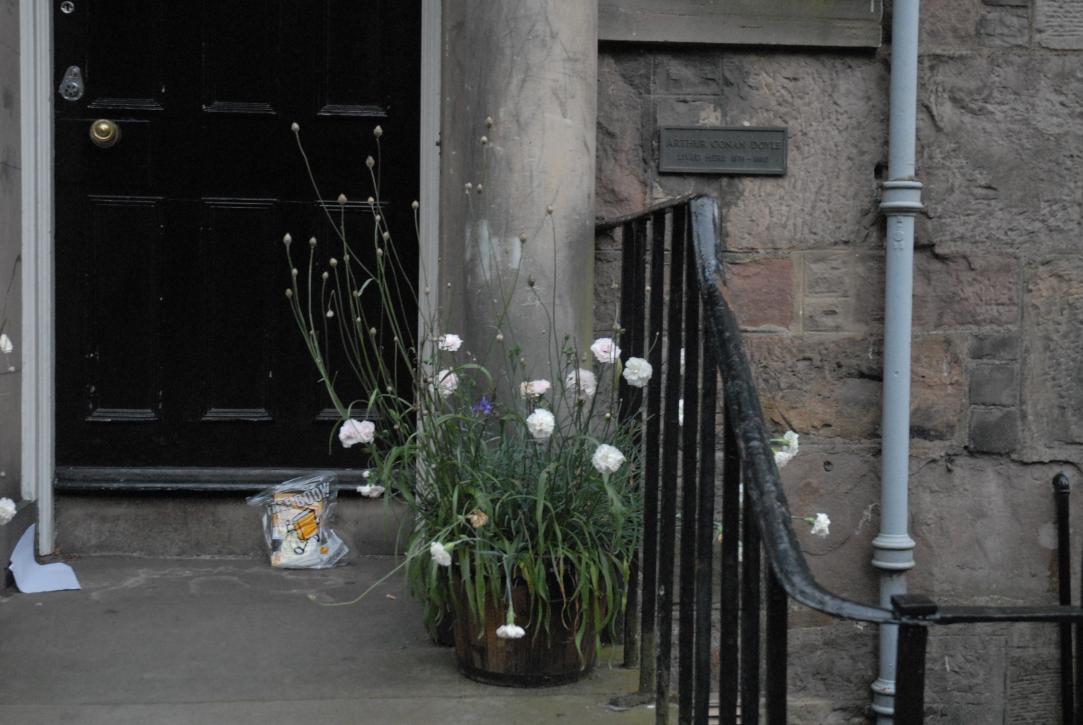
(104, 133)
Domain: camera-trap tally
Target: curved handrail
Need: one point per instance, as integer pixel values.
(759, 472)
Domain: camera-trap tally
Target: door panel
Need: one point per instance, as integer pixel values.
(242, 54)
(175, 348)
(122, 286)
(125, 59)
(233, 241)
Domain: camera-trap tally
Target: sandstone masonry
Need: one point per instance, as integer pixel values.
(997, 399)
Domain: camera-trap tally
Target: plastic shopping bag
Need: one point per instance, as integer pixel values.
(297, 523)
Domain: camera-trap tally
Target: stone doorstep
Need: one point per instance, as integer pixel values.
(213, 525)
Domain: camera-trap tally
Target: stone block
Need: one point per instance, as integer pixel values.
(995, 346)
(981, 528)
(937, 403)
(1059, 24)
(607, 290)
(826, 314)
(828, 387)
(994, 385)
(828, 274)
(868, 291)
(961, 291)
(687, 112)
(844, 483)
(1033, 676)
(1052, 390)
(1004, 27)
(829, 195)
(691, 73)
(763, 292)
(985, 120)
(965, 675)
(948, 25)
(1009, 3)
(623, 157)
(816, 670)
(994, 430)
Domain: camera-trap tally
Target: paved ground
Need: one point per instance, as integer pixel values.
(234, 641)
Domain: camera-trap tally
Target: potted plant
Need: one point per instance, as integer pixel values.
(526, 515)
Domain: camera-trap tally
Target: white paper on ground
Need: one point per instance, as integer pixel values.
(32, 577)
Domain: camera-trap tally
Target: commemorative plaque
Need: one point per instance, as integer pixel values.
(713, 150)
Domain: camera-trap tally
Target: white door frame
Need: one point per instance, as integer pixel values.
(38, 355)
(38, 428)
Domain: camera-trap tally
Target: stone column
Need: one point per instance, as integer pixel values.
(532, 68)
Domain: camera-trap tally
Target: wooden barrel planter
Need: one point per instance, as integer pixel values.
(535, 660)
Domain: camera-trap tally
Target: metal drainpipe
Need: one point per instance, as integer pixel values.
(893, 548)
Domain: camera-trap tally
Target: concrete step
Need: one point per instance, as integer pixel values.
(200, 524)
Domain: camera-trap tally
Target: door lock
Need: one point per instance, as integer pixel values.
(71, 85)
(104, 133)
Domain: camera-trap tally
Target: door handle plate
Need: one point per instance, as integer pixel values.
(71, 85)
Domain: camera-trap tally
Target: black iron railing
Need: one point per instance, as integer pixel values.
(675, 312)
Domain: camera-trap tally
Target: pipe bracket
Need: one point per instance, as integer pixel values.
(902, 196)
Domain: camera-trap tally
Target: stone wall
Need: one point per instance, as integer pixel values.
(998, 302)
(10, 202)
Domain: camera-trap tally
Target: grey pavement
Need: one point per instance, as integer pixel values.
(233, 641)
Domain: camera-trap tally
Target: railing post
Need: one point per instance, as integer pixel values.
(910, 663)
(729, 622)
(631, 331)
(691, 453)
(1062, 489)
(777, 612)
(751, 588)
(706, 536)
(648, 617)
(667, 505)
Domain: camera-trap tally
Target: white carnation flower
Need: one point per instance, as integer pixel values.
(783, 457)
(449, 342)
(789, 449)
(637, 372)
(440, 554)
(534, 388)
(582, 383)
(821, 525)
(7, 510)
(447, 383)
(510, 631)
(607, 459)
(605, 350)
(5, 344)
(540, 423)
(353, 432)
(371, 491)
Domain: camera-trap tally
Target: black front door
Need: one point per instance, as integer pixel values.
(175, 345)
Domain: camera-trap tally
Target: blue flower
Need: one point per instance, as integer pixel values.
(482, 407)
